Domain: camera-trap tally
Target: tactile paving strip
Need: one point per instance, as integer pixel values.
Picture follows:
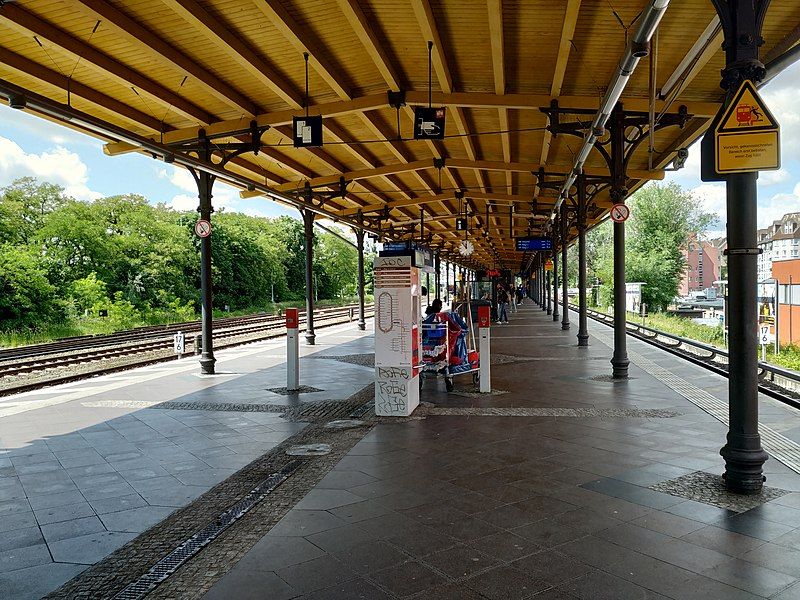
(779, 446)
(478, 411)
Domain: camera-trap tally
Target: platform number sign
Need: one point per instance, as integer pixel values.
(202, 228)
(620, 213)
(179, 343)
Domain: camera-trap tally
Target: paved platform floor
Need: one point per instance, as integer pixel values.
(85, 467)
(461, 504)
(544, 489)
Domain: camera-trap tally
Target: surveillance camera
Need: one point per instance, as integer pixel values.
(680, 158)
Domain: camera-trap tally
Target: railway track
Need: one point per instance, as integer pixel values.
(776, 382)
(40, 365)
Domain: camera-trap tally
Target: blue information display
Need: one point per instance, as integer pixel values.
(528, 244)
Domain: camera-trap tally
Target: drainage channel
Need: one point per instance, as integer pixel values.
(186, 550)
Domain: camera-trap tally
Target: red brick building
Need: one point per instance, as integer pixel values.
(703, 265)
(787, 272)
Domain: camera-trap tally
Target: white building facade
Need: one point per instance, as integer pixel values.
(779, 241)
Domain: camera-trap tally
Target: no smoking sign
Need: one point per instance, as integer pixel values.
(620, 213)
(202, 228)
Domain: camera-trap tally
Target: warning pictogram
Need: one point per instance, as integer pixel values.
(747, 112)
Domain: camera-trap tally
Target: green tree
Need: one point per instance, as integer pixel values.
(88, 291)
(338, 262)
(663, 218)
(27, 298)
(23, 206)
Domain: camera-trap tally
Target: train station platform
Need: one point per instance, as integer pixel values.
(561, 484)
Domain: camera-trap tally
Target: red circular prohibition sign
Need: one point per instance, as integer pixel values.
(620, 213)
(202, 228)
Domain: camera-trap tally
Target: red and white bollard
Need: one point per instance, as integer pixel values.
(484, 320)
(292, 350)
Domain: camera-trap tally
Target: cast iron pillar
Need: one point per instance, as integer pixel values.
(205, 182)
(362, 324)
(619, 191)
(744, 457)
(583, 321)
(308, 224)
(437, 278)
(564, 282)
(544, 285)
(555, 269)
(548, 307)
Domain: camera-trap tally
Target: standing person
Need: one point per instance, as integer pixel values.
(502, 301)
(520, 294)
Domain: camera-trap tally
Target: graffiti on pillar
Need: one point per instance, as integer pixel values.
(392, 389)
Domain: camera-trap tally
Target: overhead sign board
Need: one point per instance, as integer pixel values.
(743, 138)
(461, 224)
(528, 244)
(307, 131)
(429, 123)
(620, 213)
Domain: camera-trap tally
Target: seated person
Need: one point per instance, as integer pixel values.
(434, 308)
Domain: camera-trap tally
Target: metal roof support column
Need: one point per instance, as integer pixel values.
(205, 182)
(583, 321)
(564, 282)
(619, 191)
(362, 324)
(547, 307)
(437, 277)
(545, 284)
(308, 230)
(556, 227)
(744, 457)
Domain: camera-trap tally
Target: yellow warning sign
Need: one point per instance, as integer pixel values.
(548, 265)
(747, 135)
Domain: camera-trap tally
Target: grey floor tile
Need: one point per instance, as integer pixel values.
(135, 520)
(750, 577)
(20, 558)
(506, 583)
(88, 549)
(246, 584)
(71, 529)
(176, 496)
(305, 522)
(315, 574)
(20, 538)
(34, 582)
(45, 516)
(108, 505)
(407, 578)
(274, 552)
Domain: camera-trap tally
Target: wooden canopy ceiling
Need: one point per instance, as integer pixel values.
(167, 68)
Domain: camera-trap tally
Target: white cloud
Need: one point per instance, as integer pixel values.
(222, 194)
(774, 177)
(59, 166)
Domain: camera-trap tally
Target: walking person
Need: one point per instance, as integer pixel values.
(502, 301)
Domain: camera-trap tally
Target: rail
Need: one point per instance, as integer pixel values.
(777, 382)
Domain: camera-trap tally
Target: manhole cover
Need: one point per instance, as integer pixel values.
(344, 424)
(303, 389)
(710, 489)
(309, 450)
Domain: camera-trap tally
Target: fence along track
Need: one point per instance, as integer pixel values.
(776, 382)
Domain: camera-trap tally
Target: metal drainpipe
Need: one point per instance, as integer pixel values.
(637, 48)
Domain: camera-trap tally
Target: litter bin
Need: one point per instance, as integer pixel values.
(474, 304)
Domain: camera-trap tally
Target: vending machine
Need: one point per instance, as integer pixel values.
(398, 308)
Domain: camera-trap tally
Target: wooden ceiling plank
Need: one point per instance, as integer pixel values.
(228, 42)
(291, 30)
(78, 50)
(365, 32)
(165, 53)
(42, 73)
(562, 58)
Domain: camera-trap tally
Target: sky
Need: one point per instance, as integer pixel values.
(33, 146)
